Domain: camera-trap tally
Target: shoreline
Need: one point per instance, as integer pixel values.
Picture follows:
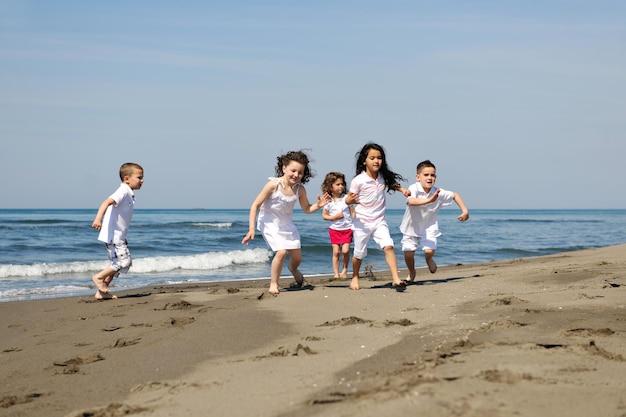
(525, 337)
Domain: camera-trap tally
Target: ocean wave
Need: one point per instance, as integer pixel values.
(158, 264)
(215, 225)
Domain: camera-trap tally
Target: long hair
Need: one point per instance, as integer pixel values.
(392, 179)
(297, 156)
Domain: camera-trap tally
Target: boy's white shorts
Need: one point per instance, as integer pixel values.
(119, 256)
(411, 243)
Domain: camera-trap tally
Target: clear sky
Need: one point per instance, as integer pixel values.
(520, 104)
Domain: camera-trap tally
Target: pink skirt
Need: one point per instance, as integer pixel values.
(340, 237)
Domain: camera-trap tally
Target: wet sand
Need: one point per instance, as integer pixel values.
(527, 337)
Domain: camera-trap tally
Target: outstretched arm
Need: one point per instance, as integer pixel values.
(414, 201)
(254, 210)
(464, 216)
(309, 208)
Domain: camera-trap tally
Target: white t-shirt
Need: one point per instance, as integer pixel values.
(421, 221)
(339, 206)
(372, 201)
(117, 217)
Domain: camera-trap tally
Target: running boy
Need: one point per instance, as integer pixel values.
(112, 220)
(419, 224)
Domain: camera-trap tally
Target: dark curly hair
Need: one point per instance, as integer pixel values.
(297, 156)
(392, 180)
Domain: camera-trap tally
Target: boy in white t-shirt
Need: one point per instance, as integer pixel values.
(112, 220)
(419, 224)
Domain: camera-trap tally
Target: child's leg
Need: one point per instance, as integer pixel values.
(409, 260)
(108, 279)
(361, 236)
(390, 257)
(336, 260)
(276, 269)
(356, 266)
(295, 258)
(345, 251)
(103, 278)
(428, 256)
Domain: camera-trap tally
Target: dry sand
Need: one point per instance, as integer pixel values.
(542, 336)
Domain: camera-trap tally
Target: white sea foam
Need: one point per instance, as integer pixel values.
(158, 264)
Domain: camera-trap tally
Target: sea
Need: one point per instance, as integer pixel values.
(54, 252)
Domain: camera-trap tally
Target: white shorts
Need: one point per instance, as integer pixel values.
(119, 256)
(362, 235)
(411, 243)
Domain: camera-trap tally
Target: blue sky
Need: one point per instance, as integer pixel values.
(520, 104)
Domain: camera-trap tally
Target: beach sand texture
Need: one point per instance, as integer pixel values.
(541, 336)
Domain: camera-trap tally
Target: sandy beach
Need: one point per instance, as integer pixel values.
(541, 336)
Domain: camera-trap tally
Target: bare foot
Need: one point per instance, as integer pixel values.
(399, 284)
(273, 289)
(432, 266)
(104, 296)
(100, 285)
(344, 274)
(354, 285)
(410, 279)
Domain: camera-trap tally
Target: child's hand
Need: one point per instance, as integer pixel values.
(352, 198)
(247, 238)
(405, 192)
(323, 200)
(463, 217)
(434, 196)
(96, 225)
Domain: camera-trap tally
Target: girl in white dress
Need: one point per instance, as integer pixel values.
(274, 206)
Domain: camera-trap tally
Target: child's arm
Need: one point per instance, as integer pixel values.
(404, 191)
(309, 208)
(352, 198)
(464, 216)
(97, 222)
(414, 201)
(267, 190)
(326, 215)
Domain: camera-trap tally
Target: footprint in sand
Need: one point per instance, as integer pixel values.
(181, 321)
(180, 305)
(282, 352)
(125, 342)
(584, 332)
(111, 410)
(72, 366)
(506, 301)
(346, 321)
(400, 322)
(11, 400)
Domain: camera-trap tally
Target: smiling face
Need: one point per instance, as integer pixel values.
(427, 177)
(373, 162)
(293, 172)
